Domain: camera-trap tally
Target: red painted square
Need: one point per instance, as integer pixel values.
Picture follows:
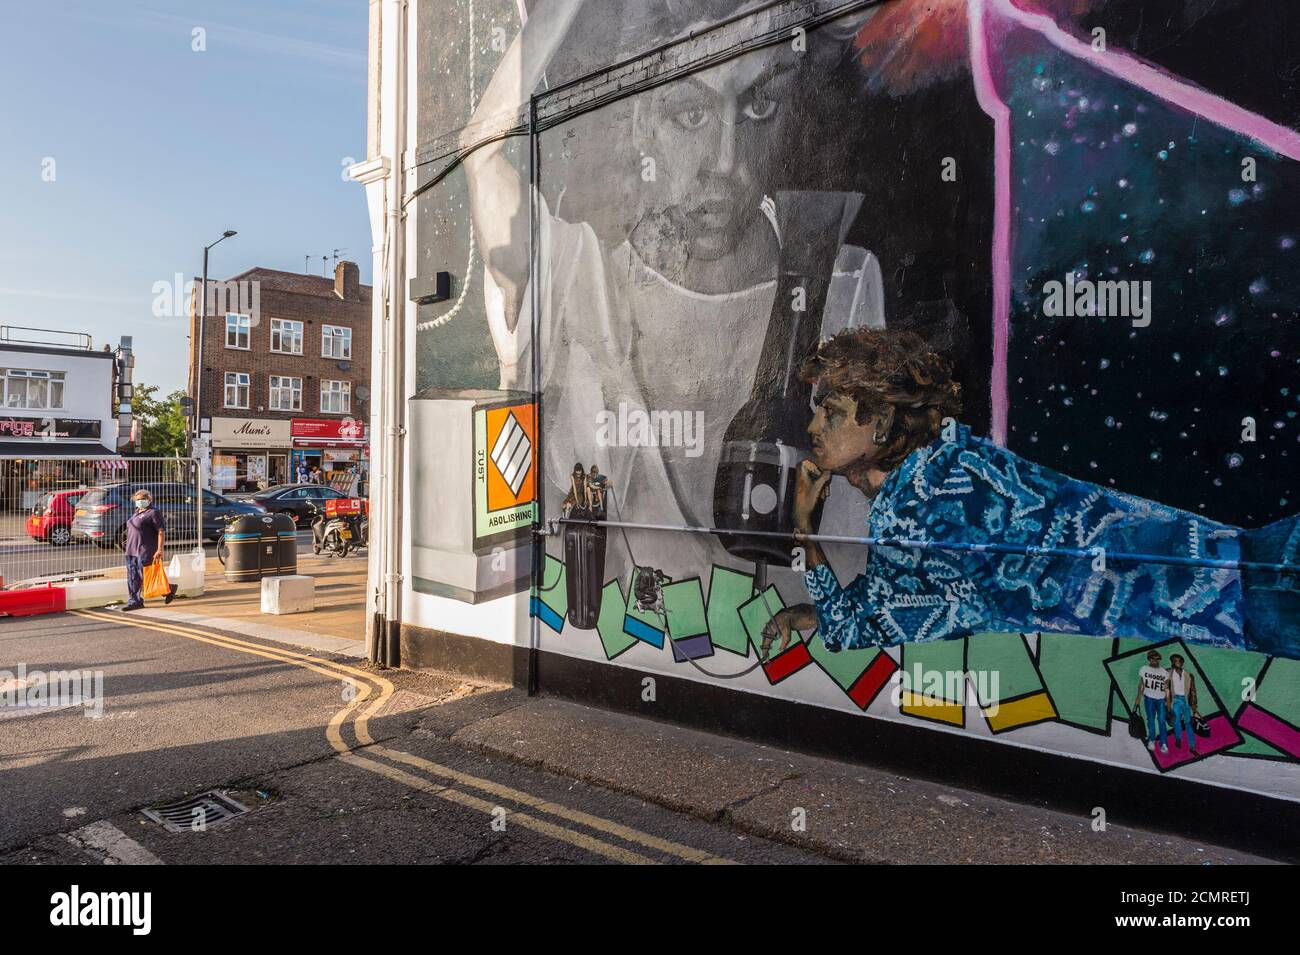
(873, 680)
(791, 661)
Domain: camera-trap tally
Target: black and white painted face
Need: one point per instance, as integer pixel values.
(713, 137)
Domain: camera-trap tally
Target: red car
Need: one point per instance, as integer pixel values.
(52, 515)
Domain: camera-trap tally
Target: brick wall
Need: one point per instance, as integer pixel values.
(315, 301)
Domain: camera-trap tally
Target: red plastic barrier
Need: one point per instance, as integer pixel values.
(29, 603)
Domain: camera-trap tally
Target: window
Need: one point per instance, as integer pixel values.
(335, 341)
(236, 389)
(286, 394)
(286, 336)
(238, 330)
(32, 390)
(335, 397)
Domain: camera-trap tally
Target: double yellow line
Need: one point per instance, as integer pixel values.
(377, 690)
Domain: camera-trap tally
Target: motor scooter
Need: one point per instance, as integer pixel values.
(330, 533)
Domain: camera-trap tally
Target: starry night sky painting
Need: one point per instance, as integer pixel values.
(1119, 174)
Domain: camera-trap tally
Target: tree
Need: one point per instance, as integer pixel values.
(163, 425)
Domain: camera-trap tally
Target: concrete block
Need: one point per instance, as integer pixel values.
(292, 593)
(186, 572)
(84, 594)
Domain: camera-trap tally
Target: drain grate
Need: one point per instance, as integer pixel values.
(197, 813)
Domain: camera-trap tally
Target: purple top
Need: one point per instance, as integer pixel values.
(142, 529)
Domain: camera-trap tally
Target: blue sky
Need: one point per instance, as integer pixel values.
(159, 148)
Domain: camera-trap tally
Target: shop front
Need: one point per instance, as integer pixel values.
(43, 454)
(249, 454)
(337, 450)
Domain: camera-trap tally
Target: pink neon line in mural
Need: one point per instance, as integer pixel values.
(1274, 137)
(986, 93)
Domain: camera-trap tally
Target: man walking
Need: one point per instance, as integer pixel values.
(146, 532)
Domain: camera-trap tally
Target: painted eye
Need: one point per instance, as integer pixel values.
(692, 118)
(760, 108)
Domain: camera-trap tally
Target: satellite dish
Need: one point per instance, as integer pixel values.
(363, 392)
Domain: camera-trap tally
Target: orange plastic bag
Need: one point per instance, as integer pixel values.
(155, 581)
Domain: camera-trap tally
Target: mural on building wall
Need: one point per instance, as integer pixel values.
(944, 349)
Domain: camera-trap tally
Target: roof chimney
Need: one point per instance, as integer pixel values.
(347, 281)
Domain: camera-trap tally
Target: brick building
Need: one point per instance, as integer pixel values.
(286, 374)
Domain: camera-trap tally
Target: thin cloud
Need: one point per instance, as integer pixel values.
(225, 36)
(259, 41)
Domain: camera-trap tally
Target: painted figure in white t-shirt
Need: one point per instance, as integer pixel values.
(1182, 701)
(1153, 692)
(672, 318)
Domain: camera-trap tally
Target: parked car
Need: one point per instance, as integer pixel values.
(299, 501)
(102, 512)
(51, 517)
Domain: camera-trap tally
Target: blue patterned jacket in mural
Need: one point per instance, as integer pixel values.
(970, 492)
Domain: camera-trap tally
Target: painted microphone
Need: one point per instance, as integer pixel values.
(768, 437)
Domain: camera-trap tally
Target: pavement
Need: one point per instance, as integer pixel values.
(337, 625)
(341, 762)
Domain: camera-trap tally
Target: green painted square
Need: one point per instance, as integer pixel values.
(684, 607)
(1074, 669)
(609, 624)
(1119, 708)
(756, 612)
(1007, 655)
(728, 589)
(1279, 691)
(1254, 748)
(1227, 669)
(554, 591)
(943, 656)
(844, 667)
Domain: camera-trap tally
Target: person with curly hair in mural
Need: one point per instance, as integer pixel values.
(999, 543)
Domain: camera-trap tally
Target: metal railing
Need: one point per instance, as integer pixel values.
(46, 336)
(64, 517)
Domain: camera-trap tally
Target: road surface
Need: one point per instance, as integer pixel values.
(324, 753)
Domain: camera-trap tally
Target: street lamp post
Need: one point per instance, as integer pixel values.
(203, 318)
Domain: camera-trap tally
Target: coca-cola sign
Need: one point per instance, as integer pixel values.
(328, 431)
(249, 433)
